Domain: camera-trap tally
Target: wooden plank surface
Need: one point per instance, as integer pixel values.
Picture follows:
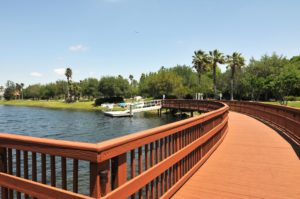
(252, 162)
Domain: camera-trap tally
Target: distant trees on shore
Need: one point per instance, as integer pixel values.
(270, 77)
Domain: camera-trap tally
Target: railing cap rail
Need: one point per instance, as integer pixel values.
(281, 107)
(50, 142)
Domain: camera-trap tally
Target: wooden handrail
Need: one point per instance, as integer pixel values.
(153, 162)
(70, 149)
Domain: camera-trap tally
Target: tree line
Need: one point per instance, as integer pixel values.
(270, 77)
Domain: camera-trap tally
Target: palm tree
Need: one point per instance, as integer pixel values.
(215, 58)
(200, 62)
(235, 62)
(131, 78)
(22, 86)
(68, 74)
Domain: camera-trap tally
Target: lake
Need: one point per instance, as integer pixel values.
(84, 126)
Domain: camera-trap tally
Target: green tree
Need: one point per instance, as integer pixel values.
(9, 92)
(163, 82)
(61, 89)
(68, 74)
(111, 86)
(235, 62)
(287, 81)
(215, 58)
(33, 92)
(200, 62)
(89, 88)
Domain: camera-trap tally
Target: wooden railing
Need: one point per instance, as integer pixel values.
(286, 119)
(150, 164)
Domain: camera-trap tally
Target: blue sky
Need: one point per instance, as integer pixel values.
(110, 37)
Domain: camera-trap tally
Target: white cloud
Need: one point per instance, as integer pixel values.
(60, 71)
(36, 74)
(78, 48)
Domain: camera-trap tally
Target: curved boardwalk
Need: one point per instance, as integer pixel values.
(252, 162)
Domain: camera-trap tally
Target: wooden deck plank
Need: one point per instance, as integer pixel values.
(252, 162)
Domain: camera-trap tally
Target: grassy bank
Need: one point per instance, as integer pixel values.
(290, 103)
(88, 106)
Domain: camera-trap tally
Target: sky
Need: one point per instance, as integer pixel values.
(39, 39)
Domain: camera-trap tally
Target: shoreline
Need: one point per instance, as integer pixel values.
(53, 104)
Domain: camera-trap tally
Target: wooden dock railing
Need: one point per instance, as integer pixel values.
(150, 164)
(286, 119)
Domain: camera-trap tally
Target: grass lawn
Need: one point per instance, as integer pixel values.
(88, 106)
(290, 103)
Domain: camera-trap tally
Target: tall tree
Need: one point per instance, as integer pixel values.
(215, 58)
(131, 86)
(22, 87)
(131, 78)
(200, 62)
(235, 62)
(68, 74)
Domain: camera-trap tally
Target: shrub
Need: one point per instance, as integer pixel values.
(292, 98)
(100, 101)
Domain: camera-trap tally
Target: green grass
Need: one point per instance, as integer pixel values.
(88, 106)
(290, 103)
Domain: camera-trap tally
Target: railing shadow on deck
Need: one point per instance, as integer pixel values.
(153, 163)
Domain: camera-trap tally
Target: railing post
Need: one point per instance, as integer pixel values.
(3, 168)
(99, 179)
(119, 170)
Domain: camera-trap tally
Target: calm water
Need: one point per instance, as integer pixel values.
(73, 125)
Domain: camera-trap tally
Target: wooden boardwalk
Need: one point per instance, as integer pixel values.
(252, 162)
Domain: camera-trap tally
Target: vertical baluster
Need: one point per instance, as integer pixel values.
(170, 178)
(44, 172)
(181, 147)
(156, 181)
(151, 164)
(146, 167)
(157, 158)
(167, 154)
(75, 175)
(162, 157)
(156, 152)
(18, 168)
(64, 173)
(132, 154)
(140, 167)
(10, 170)
(25, 157)
(3, 168)
(34, 170)
(53, 170)
(174, 151)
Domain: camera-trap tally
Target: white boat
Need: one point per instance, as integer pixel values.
(107, 105)
(118, 113)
